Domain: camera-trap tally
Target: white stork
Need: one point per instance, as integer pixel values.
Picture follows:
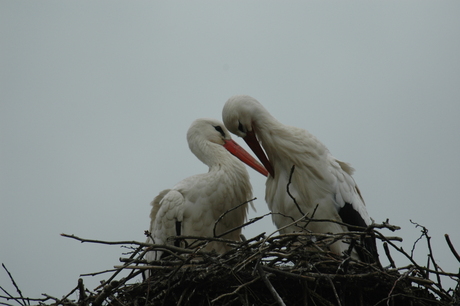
(193, 206)
(322, 186)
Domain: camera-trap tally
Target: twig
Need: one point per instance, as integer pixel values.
(394, 284)
(119, 270)
(291, 275)
(105, 293)
(224, 214)
(9, 296)
(97, 273)
(401, 250)
(286, 226)
(430, 254)
(145, 244)
(15, 286)
(162, 247)
(236, 290)
(253, 220)
(270, 287)
(82, 294)
(289, 192)
(451, 247)
(61, 301)
(335, 291)
(387, 252)
(414, 244)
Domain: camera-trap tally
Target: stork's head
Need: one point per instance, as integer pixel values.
(205, 133)
(207, 130)
(240, 115)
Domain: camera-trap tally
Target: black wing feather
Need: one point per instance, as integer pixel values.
(355, 222)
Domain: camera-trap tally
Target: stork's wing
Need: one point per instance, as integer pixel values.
(348, 199)
(351, 207)
(167, 211)
(156, 205)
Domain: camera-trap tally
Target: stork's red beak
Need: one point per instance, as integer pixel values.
(244, 156)
(254, 144)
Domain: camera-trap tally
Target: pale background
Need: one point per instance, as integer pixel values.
(96, 99)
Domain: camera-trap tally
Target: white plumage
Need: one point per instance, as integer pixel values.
(319, 181)
(194, 205)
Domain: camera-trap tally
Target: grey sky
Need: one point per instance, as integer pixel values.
(96, 99)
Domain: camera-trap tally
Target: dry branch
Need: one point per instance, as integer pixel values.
(451, 247)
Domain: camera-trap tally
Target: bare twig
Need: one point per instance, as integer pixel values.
(119, 270)
(253, 220)
(270, 287)
(430, 251)
(451, 247)
(15, 286)
(387, 252)
(394, 285)
(236, 290)
(289, 192)
(224, 214)
(335, 291)
(401, 250)
(107, 242)
(82, 294)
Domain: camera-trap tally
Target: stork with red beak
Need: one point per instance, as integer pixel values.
(320, 186)
(194, 205)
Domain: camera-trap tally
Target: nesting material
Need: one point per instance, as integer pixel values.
(289, 269)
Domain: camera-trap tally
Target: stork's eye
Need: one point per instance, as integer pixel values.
(220, 130)
(241, 128)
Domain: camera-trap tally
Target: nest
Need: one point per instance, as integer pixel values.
(288, 269)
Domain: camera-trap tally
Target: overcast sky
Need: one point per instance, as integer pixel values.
(96, 99)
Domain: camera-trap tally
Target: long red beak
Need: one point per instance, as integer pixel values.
(253, 143)
(244, 156)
